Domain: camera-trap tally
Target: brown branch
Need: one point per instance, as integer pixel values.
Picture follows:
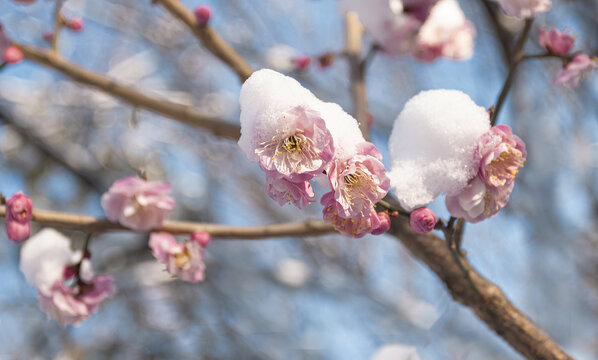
(491, 306)
(209, 38)
(357, 69)
(92, 224)
(181, 113)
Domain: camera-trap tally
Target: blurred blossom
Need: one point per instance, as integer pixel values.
(202, 14)
(292, 272)
(396, 352)
(524, 8)
(281, 57)
(138, 204)
(575, 71)
(184, 260)
(556, 42)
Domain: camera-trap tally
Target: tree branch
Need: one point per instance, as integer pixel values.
(491, 305)
(181, 113)
(92, 224)
(357, 72)
(209, 38)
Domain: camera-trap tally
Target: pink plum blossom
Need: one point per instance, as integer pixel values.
(422, 220)
(18, 216)
(138, 204)
(384, 224)
(501, 154)
(301, 151)
(446, 32)
(576, 70)
(284, 191)
(524, 8)
(184, 260)
(556, 42)
(202, 13)
(355, 227)
(71, 305)
(358, 182)
(478, 201)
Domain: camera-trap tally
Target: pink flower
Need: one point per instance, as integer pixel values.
(446, 32)
(284, 191)
(138, 204)
(422, 220)
(479, 201)
(302, 151)
(575, 71)
(71, 305)
(183, 260)
(502, 154)
(524, 8)
(384, 224)
(556, 42)
(355, 227)
(75, 24)
(203, 13)
(18, 215)
(358, 182)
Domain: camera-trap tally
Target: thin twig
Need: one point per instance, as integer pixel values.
(357, 72)
(210, 38)
(92, 224)
(178, 112)
(58, 24)
(517, 57)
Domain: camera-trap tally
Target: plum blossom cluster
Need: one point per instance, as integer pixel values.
(576, 67)
(442, 143)
(426, 29)
(295, 137)
(68, 289)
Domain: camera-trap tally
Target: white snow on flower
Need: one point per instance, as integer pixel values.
(44, 257)
(396, 352)
(448, 30)
(267, 95)
(280, 57)
(432, 146)
(524, 8)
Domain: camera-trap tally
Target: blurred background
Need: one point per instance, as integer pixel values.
(328, 297)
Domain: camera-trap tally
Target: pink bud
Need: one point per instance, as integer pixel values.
(75, 24)
(68, 272)
(48, 35)
(422, 220)
(12, 55)
(202, 14)
(302, 62)
(18, 214)
(384, 224)
(201, 237)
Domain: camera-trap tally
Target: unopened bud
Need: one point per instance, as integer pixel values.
(422, 220)
(202, 14)
(12, 55)
(201, 237)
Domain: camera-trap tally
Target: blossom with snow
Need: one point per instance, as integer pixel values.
(478, 201)
(576, 70)
(358, 182)
(18, 216)
(446, 32)
(422, 220)
(556, 42)
(47, 262)
(524, 8)
(427, 29)
(138, 204)
(501, 154)
(433, 145)
(184, 260)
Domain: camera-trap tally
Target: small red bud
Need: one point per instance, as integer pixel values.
(302, 62)
(75, 24)
(12, 55)
(202, 14)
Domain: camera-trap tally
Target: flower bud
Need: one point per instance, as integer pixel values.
(18, 215)
(202, 14)
(301, 62)
(201, 237)
(384, 225)
(422, 220)
(48, 35)
(12, 55)
(75, 24)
